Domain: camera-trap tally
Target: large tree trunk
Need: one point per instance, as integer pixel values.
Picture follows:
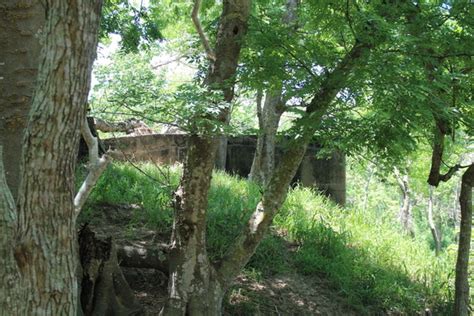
(9, 274)
(46, 248)
(461, 296)
(21, 23)
(193, 286)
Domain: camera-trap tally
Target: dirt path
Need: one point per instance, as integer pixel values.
(284, 294)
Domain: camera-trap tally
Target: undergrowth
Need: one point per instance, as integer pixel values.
(362, 254)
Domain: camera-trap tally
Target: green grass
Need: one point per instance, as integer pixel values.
(362, 254)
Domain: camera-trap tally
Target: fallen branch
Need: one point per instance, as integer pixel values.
(143, 257)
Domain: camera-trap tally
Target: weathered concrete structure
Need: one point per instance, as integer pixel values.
(326, 175)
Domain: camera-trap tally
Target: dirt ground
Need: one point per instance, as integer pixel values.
(286, 294)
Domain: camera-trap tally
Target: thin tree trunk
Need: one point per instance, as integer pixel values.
(405, 215)
(276, 190)
(455, 208)
(21, 24)
(264, 160)
(46, 249)
(193, 286)
(461, 296)
(431, 223)
(256, 163)
(370, 173)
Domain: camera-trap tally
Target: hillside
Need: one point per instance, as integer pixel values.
(318, 259)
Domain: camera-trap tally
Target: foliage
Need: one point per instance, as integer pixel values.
(363, 254)
(128, 87)
(136, 24)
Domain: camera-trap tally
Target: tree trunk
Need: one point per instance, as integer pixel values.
(104, 290)
(276, 190)
(194, 288)
(405, 215)
(461, 296)
(264, 159)
(269, 117)
(9, 274)
(46, 248)
(21, 23)
(369, 174)
(431, 223)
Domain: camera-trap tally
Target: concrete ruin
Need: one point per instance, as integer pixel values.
(326, 175)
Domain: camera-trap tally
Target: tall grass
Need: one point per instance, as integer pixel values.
(362, 254)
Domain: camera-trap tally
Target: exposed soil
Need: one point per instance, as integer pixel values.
(284, 294)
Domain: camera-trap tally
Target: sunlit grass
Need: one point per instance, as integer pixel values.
(363, 255)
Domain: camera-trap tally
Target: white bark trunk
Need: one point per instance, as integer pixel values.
(96, 166)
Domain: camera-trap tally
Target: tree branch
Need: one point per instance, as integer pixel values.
(96, 167)
(197, 23)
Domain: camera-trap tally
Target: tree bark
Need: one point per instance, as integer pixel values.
(461, 295)
(264, 159)
(431, 223)
(9, 274)
(46, 248)
(269, 117)
(104, 290)
(21, 23)
(405, 215)
(193, 286)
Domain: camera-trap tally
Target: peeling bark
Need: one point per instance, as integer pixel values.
(461, 295)
(46, 248)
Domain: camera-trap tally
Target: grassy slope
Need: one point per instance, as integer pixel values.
(364, 257)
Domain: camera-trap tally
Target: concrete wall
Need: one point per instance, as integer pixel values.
(326, 175)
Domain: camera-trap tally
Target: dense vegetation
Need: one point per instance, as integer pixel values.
(387, 83)
(363, 253)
